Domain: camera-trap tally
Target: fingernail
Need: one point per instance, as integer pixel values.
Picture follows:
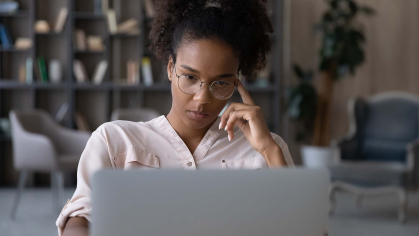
(229, 139)
(219, 126)
(225, 128)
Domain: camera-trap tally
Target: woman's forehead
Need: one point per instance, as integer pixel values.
(206, 54)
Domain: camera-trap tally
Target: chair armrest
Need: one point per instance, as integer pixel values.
(33, 152)
(412, 149)
(348, 146)
(69, 141)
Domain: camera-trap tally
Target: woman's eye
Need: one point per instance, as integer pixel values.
(221, 83)
(190, 77)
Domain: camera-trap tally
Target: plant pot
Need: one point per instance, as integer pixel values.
(318, 157)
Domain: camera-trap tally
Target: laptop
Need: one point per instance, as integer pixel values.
(210, 202)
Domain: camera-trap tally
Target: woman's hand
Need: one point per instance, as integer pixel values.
(249, 118)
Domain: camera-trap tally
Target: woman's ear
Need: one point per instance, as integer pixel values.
(170, 68)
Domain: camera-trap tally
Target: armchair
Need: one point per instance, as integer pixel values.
(380, 154)
(41, 145)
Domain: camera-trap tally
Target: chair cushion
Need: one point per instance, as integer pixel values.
(68, 162)
(370, 174)
(384, 150)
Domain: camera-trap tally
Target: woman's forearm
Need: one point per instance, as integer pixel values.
(76, 226)
(274, 157)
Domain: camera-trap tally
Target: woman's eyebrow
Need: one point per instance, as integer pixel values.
(196, 71)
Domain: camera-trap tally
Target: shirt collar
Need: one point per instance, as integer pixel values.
(184, 154)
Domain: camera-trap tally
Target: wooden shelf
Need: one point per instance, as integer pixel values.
(91, 86)
(18, 14)
(13, 49)
(14, 84)
(96, 102)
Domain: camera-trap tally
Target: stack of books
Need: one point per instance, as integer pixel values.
(42, 26)
(81, 74)
(129, 27)
(91, 43)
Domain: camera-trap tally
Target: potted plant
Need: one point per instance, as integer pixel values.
(302, 107)
(341, 53)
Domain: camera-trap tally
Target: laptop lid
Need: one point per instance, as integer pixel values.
(210, 202)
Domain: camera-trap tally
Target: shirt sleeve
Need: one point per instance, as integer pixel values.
(95, 156)
(281, 143)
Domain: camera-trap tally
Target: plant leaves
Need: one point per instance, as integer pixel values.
(353, 6)
(298, 71)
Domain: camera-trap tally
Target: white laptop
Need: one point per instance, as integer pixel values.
(210, 202)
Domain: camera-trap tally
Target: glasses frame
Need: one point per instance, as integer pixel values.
(236, 83)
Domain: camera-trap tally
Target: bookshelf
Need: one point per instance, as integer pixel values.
(96, 102)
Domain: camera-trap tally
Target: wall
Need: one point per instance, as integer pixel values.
(392, 53)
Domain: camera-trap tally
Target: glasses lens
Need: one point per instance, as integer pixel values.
(189, 84)
(222, 89)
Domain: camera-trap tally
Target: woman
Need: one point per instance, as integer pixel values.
(205, 44)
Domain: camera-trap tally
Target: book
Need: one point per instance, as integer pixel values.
(105, 6)
(5, 38)
(133, 72)
(62, 17)
(23, 43)
(29, 74)
(130, 72)
(62, 111)
(55, 73)
(128, 26)
(150, 10)
(42, 69)
(37, 71)
(136, 31)
(95, 43)
(100, 71)
(22, 73)
(80, 71)
(8, 6)
(81, 43)
(81, 122)
(113, 28)
(147, 72)
(42, 26)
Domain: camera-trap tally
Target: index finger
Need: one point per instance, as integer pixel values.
(247, 99)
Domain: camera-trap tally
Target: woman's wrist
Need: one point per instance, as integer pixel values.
(273, 156)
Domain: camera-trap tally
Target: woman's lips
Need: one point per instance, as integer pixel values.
(197, 115)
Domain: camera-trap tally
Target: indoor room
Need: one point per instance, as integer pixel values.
(320, 96)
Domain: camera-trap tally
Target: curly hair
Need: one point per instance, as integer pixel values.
(242, 24)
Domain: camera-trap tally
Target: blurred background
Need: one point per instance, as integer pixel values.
(341, 87)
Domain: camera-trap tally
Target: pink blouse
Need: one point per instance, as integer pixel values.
(153, 145)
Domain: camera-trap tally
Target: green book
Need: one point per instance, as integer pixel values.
(42, 69)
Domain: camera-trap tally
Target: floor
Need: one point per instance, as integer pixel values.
(377, 216)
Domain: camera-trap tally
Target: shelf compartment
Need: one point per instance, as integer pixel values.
(13, 49)
(18, 14)
(88, 16)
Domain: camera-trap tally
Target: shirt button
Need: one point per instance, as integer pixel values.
(189, 163)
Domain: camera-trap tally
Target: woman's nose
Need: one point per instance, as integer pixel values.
(203, 96)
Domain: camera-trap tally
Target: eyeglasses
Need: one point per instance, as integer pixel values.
(220, 89)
